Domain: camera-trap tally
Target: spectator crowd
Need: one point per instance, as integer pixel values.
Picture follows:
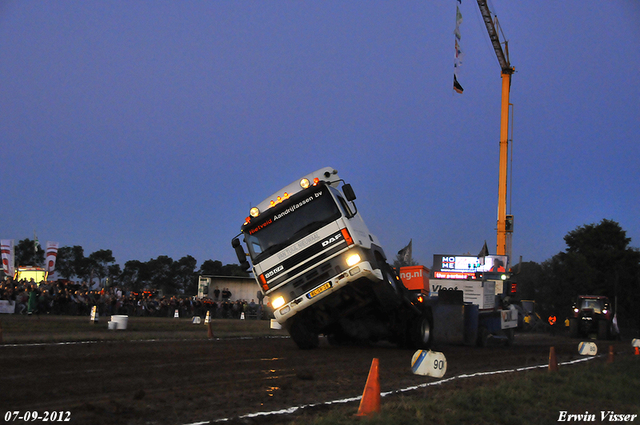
(77, 299)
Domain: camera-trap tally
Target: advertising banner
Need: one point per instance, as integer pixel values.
(51, 255)
(8, 256)
(466, 266)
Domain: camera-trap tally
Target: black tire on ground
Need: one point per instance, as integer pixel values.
(304, 337)
(420, 332)
(573, 328)
(603, 329)
(389, 277)
(338, 338)
(483, 337)
(510, 333)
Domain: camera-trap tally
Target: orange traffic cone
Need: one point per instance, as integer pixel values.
(611, 354)
(370, 402)
(553, 362)
(637, 349)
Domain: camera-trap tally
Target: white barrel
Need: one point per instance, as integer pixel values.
(121, 321)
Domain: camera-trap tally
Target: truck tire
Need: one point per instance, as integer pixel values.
(420, 332)
(573, 328)
(603, 329)
(304, 337)
(389, 276)
(483, 337)
(510, 334)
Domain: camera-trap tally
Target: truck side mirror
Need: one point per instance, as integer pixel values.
(242, 257)
(349, 194)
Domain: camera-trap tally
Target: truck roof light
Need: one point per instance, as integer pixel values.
(316, 181)
(304, 183)
(254, 212)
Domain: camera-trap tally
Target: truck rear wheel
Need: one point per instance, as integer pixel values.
(483, 337)
(304, 337)
(420, 332)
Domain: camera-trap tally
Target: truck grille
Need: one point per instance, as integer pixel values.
(313, 278)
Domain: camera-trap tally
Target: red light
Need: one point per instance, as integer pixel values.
(514, 288)
(420, 299)
(263, 281)
(347, 236)
(316, 181)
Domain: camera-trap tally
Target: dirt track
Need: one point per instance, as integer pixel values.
(177, 382)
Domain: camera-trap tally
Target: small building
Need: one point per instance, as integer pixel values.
(241, 288)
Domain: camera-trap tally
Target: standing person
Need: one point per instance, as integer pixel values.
(32, 304)
(216, 293)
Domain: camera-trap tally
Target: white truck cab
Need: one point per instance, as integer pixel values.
(324, 272)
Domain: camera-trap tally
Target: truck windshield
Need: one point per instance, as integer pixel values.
(299, 216)
(592, 304)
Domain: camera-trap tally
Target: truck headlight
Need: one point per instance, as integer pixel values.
(353, 259)
(277, 303)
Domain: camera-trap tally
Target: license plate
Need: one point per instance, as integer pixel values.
(319, 290)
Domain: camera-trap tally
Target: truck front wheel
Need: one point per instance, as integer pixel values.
(603, 329)
(304, 337)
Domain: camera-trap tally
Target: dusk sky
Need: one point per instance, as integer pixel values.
(151, 127)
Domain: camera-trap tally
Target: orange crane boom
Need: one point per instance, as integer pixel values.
(504, 226)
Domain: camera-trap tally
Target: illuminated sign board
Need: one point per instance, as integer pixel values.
(466, 266)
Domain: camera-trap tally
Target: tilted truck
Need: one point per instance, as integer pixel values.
(324, 272)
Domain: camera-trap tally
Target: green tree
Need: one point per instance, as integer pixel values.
(99, 263)
(162, 275)
(79, 263)
(527, 275)
(211, 267)
(27, 255)
(215, 268)
(598, 261)
(135, 275)
(185, 274)
(114, 274)
(64, 266)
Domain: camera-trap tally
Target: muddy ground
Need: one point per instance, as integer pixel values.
(186, 381)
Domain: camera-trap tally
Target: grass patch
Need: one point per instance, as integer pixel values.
(26, 329)
(533, 397)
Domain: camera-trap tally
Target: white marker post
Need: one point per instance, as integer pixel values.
(588, 348)
(429, 363)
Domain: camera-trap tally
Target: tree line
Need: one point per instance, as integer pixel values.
(598, 260)
(164, 273)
